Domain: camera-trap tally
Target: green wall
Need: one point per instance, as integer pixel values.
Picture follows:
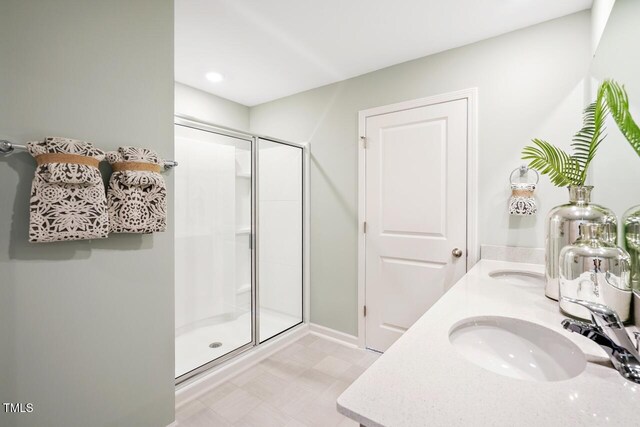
(209, 108)
(86, 328)
(617, 166)
(531, 83)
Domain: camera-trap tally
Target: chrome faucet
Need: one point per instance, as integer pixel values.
(609, 333)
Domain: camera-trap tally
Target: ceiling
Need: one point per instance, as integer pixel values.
(268, 49)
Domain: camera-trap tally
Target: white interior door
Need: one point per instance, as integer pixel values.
(415, 210)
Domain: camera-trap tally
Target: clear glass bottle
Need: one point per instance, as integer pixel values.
(562, 230)
(593, 269)
(631, 242)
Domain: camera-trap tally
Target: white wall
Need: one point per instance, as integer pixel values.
(205, 228)
(205, 270)
(209, 108)
(616, 169)
(600, 12)
(280, 180)
(86, 327)
(530, 83)
(213, 270)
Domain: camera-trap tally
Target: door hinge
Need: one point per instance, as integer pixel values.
(364, 310)
(364, 227)
(364, 142)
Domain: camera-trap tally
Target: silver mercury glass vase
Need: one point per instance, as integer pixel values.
(631, 242)
(562, 229)
(595, 270)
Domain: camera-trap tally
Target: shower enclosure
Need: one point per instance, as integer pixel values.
(239, 207)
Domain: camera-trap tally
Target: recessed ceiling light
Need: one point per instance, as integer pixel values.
(214, 77)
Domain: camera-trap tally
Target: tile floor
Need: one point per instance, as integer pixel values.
(298, 386)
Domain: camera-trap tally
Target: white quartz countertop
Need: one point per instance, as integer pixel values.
(422, 380)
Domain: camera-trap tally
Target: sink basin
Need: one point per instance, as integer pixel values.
(518, 349)
(519, 277)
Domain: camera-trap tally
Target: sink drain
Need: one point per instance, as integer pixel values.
(215, 344)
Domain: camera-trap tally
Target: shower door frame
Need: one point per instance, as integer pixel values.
(193, 123)
(256, 238)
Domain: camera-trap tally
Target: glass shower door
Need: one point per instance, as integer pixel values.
(280, 236)
(213, 225)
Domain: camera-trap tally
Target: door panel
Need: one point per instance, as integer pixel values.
(403, 150)
(415, 212)
(280, 232)
(398, 280)
(213, 263)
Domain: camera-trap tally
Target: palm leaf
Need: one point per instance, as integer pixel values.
(618, 103)
(588, 139)
(550, 160)
(564, 169)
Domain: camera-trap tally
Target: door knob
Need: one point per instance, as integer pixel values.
(456, 252)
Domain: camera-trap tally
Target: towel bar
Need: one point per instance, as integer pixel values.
(7, 147)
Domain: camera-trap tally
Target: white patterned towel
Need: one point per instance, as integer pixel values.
(137, 193)
(67, 195)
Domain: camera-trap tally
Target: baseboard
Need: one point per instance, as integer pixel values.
(193, 389)
(333, 335)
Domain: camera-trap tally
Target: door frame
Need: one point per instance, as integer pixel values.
(208, 369)
(473, 247)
